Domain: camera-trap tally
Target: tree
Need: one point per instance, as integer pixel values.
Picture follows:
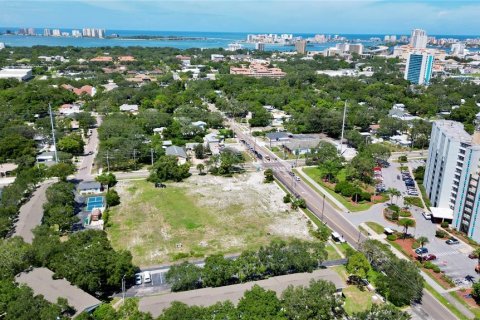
(107, 179)
(317, 301)
(185, 276)
(378, 151)
(268, 176)
(393, 192)
(423, 240)
(16, 257)
(167, 168)
(476, 291)
(477, 253)
(199, 150)
(181, 311)
(85, 120)
(61, 170)
(200, 167)
(406, 223)
(358, 265)
(129, 310)
(330, 168)
(112, 198)
(71, 144)
(218, 271)
(259, 304)
(383, 311)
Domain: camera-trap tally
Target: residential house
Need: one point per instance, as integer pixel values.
(398, 111)
(177, 152)
(300, 147)
(47, 158)
(132, 108)
(278, 138)
(199, 124)
(69, 109)
(89, 187)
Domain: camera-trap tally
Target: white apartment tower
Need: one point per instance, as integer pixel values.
(419, 39)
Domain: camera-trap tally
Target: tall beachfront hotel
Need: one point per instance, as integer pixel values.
(419, 68)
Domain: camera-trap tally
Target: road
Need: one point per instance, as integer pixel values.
(336, 220)
(84, 172)
(31, 213)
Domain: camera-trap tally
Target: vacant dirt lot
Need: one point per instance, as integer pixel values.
(201, 216)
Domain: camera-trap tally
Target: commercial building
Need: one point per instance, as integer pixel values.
(258, 70)
(419, 39)
(301, 46)
(419, 68)
(260, 46)
(19, 74)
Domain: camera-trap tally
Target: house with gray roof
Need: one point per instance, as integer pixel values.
(177, 152)
(89, 187)
(277, 138)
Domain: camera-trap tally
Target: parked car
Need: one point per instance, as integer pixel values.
(147, 278)
(160, 185)
(452, 240)
(473, 255)
(421, 250)
(427, 257)
(138, 279)
(427, 215)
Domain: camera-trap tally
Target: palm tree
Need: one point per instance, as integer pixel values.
(423, 240)
(406, 223)
(200, 167)
(393, 193)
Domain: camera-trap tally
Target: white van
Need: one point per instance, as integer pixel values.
(388, 231)
(427, 215)
(147, 278)
(337, 238)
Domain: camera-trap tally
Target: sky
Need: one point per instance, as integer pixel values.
(276, 16)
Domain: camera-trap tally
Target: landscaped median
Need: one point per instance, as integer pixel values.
(347, 201)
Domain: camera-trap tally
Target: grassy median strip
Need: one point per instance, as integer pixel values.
(378, 228)
(314, 173)
(445, 302)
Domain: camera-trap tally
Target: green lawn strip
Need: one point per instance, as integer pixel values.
(378, 228)
(475, 311)
(445, 302)
(332, 253)
(414, 201)
(363, 230)
(428, 204)
(315, 174)
(357, 300)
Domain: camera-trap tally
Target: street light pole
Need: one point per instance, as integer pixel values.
(343, 127)
(323, 205)
(123, 289)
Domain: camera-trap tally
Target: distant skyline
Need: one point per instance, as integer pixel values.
(272, 16)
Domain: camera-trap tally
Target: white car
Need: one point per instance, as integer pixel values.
(427, 215)
(147, 278)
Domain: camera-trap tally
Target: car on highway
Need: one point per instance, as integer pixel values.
(427, 257)
(452, 240)
(291, 173)
(138, 279)
(297, 178)
(421, 250)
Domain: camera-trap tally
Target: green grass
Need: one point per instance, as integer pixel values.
(414, 201)
(475, 310)
(424, 194)
(163, 225)
(378, 228)
(332, 253)
(315, 174)
(445, 302)
(357, 300)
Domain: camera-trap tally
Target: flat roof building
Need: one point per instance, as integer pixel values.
(19, 74)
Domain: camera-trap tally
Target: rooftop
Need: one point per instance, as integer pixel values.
(175, 151)
(41, 281)
(454, 130)
(88, 185)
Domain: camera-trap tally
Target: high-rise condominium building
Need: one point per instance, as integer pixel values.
(419, 68)
(56, 33)
(259, 46)
(47, 32)
(419, 39)
(301, 46)
(452, 174)
(355, 48)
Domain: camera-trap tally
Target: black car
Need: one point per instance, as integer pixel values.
(452, 240)
(160, 185)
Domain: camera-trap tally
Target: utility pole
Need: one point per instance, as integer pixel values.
(123, 289)
(108, 163)
(53, 132)
(135, 155)
(343, 127)
(323, 205)
(151, 154)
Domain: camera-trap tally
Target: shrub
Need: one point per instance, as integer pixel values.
(395, 215)
(405, 213)
(366, 196)
(440, 234)
(402, 159)
(391, 237)
(415, 245)
(436, 269)
(444, 224)
(287, 198)
(429, 265)
(340, 186)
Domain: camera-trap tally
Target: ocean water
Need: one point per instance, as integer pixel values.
(205, 40)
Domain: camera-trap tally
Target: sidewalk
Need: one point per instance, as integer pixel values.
(427, 278)
(322, 190)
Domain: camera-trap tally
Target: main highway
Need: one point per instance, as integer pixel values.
(429, 308)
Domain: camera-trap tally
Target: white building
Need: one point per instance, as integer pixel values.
(2, 45)
(132, 108)
(447, 160)
(419, 39)
(19, 74)
(458, 48)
